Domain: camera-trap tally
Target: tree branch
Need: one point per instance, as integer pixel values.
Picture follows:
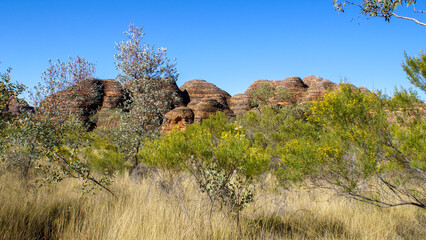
(84, 175)
(411, 19)
(417, 11)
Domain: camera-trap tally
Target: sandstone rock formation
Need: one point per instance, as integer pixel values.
(206, 99)
(83, 100)
(79, 100)
(294, 85)
(207, 106)
(112, 93)
(199, 89)
(296, 88)
(317, 87)
(180, 117)
(239, 103)
(309, 89)
(112, 99)
(95, 101)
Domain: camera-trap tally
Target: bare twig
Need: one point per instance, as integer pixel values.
(417, 11)
(86, 175)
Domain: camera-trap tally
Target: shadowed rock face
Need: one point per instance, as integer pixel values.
(112, 94)
(180, 98)
(199, 89)
(13, 106)
(79, 100)
(83, 100)
(96, 97)
(112, 98)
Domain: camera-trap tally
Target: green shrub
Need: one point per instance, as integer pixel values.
(218, 155)
(104, 156)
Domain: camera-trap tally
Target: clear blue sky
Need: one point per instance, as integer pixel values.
(230, 43)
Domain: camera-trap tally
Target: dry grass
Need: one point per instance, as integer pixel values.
(152, 209)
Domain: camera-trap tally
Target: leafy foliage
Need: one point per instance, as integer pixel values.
(379, 8)
(415, 68)
(146, 73)
(217, 153)
(41, 149)
(349, 139)
(368, 143)
(8, 90)
(103, 155)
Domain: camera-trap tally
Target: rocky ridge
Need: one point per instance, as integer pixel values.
(94, 101)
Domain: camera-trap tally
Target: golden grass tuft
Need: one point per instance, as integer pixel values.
(152, 209)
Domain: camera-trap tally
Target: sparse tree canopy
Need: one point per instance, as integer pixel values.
(380, 8)
(146, 73)
(61, 75)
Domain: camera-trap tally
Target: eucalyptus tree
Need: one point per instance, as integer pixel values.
(145, 74)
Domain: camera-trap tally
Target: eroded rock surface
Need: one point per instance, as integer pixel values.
(83, 100)
(206, 98)
(179, 117)
(317, 87)
(239, 103)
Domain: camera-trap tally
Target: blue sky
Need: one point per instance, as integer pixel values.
(229, 43)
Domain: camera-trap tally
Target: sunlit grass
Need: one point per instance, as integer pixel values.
(154, 209)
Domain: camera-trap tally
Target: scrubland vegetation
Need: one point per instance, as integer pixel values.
(281, 173)
(348, 166)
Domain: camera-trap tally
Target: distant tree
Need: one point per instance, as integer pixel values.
(415, 68)
(380, 8)
(266, 94)
(146, 73)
